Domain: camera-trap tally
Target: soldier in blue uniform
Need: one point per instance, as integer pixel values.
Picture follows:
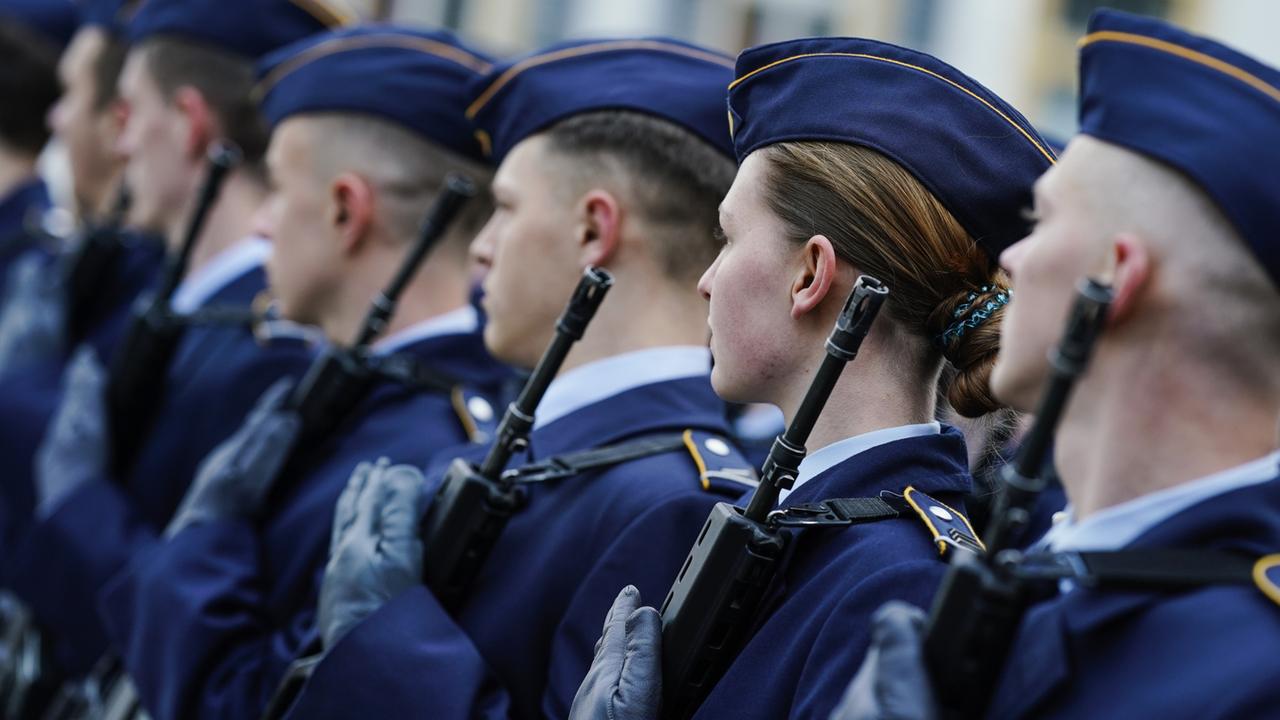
(856, 156)
(187, 81)
(1169, 443)
(367, 123)
(32, 34)
(37, 334)
(612, 153)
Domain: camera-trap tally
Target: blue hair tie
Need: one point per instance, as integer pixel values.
(968, 317)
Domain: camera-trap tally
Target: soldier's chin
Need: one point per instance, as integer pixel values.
(725, 386)
(1016, 383)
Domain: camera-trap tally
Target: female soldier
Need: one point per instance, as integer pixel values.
(855, 157)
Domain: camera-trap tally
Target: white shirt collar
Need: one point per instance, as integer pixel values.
(595, 381)
(823, 459)
(220, 271)
(1119, 525)
(455, 322)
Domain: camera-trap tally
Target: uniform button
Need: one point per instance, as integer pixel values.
(941, 513)
(1059, 517)
(716, 446)
(480, 409)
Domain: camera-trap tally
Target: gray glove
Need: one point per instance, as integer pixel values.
(233, 480)
(76, 444)
(374, 553)
(625, 679)
(33, 325)
(892, 683)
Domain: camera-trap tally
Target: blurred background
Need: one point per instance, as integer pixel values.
(1024, 50)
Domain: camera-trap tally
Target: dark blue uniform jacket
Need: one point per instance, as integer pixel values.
(1203, 653)
(523, 642)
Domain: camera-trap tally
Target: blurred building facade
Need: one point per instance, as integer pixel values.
(1022, 49)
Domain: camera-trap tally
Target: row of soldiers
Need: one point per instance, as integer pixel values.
(216, 507)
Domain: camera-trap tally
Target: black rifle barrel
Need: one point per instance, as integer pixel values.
(222, 158)
(457, 191)
(1024, 477)
(852, 326)
(517, 422)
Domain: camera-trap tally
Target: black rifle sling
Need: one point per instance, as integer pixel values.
(1156, 569)
(576, 463)
(412, 373)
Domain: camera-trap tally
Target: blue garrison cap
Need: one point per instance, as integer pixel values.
(110, 15)
(251, 28)
(975, 153)
(1205, 109)
(55, 20)
(417, 79)
(675, 81)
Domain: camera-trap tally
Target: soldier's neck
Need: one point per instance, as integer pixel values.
(1138, 424)
(229, 220)
(639, 315)
(440, 286)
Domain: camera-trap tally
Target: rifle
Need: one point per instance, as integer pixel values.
(981, 600)
(91, 264)
(708, 614)
(473, 504)
(135, 383)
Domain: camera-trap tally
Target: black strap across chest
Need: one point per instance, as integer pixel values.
(576, 463)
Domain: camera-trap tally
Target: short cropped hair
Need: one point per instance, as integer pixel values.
(407, 170)
(223, 78)
(29, 87)
(675, 179)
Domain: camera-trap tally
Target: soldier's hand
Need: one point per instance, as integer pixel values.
(892, 683)
(75, 446)
(33, 324)
(233, 480)
(375, 553)
(625, 679)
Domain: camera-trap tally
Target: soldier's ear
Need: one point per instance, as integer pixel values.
(814, 275)
(1130, 269)
(600, 218)
(201, 127)
(351, 202)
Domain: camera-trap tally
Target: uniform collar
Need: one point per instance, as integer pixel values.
(665, 406)
(455, 322)
(837, 452)
(933, 462)
(15, 207)
(1119, 525)
(596, 381)
(220, 271)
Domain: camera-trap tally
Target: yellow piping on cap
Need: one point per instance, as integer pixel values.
(334, 46)
(568, 53)
(863, 56)
(1194, 56)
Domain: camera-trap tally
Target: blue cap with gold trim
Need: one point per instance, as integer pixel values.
(417, 79)
(110, 15)
(1206, 110)
(251, 28)
(54, 20)
(975, 153)
(665, 78)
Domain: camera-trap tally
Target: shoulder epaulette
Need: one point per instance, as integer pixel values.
(947, 526)
(475, 412)
(721, 467)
